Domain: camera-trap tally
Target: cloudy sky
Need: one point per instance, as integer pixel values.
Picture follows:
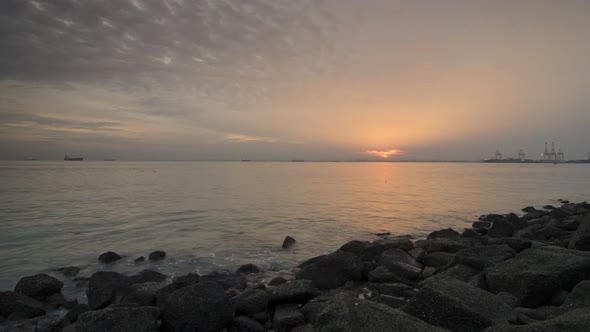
(284, 79)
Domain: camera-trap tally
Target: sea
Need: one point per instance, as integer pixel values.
(214, 216)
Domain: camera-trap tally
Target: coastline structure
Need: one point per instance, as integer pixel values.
(504, 272)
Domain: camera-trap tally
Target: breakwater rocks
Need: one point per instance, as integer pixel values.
(505, 273)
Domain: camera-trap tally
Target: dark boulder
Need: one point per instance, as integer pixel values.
(446, 245)
(11, 302)
(119, 319)
(102, 287)
(466, 274)
(492, 217)
(157, 255)
(448, 233)
(501, 228)
(251, 301)
(516, 244)
(356, 247)
(69, 271)
(439, 259)
(286, 317)
(574, 321)
(288, 242)
(581, 238)
(534, 275)
(333, 270)
(142, 294)
(579, 296)
(248, 269)
(548, 207)
(482, 257)
(246, 324)
(382, 274)
(344, 312)
(55, 300)
(277, 281)
(139, 259)
(39, 286)
(481, 224)
(528, 209)
(469, 233)
(392, 289)
(508, 298)
(296, 291)
(455, 305)
(226, 280)
(163, 293)
(401, 243)
(401, 264)
(202, 307)
(109, 257)
(390, 301)
(418, 254)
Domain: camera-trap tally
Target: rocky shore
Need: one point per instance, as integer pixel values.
(505, 273)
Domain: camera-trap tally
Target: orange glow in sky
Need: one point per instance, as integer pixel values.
(382, 154)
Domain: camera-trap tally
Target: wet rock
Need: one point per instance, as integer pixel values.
(492, 217)
(226, 280)
(246, 324)
(344, 312)
(248, 269)
(548, 207)
(356, 247)
(333, 270)
(251, 301)
(286, 317)
(277, 281)
(69, 304)
(516, 244)
(528, 209)
(69, 271)
(383, 234)
(448, 233)
(17, 316)
(288, 242)
(482, 257)
(458, 306)
(142, 294)
(123, 319)
(574, 321)
(508, 298)
(102, 287)
(139, 259)
(382, 274)
(579, 297)
(534, 275)
(559, 298)
(401, 243)
(157, 255)
(500, 228)
(109, 257)
(76, 311)
(303, 328)
(401, 264)
(581, 238)
(439, 259)
(418, 254)
(470, 234)
(163, 293)
(296, 291)
(466, 274)
(481, 224)
(148, 275)
(39, 286)
(203, 307)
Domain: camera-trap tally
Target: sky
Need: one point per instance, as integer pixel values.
(284, 79)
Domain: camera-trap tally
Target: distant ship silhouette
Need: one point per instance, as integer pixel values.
(66, 157)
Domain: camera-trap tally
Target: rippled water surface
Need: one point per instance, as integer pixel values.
(211, 215)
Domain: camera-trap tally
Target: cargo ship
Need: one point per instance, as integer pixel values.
(68, 158)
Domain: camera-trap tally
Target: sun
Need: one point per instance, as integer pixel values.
(382, 154)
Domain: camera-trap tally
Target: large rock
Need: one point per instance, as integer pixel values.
(251, 301)
(581, 238)
(102, 286)
(401, 243)
(446, 245)
(401, 264)
(332, 271)
(439, 259)
(248, 269)
(448, 233)
(246, 324)
(458, 306)
(482, 257)
(148, 276)
(109, 257)
(296, 291)
(286, 317)
(39, 286)
(467, 274)
(579, 297)
(11, 302)
(534, 275)
(141, 294)
(202, 307)
(344, 312)
(501, 228)
(119, 319)
(392, 289)
(226, 280)
(574, 321)
(516, 244)
(157, 255)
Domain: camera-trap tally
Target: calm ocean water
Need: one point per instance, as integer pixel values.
(212, 215)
